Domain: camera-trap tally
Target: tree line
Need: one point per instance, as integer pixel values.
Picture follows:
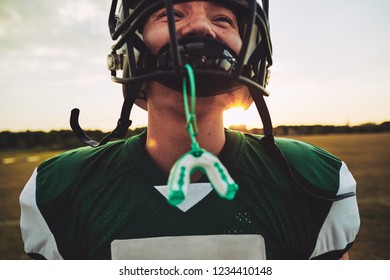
(291, 130)
(65, 139)
(53, 140)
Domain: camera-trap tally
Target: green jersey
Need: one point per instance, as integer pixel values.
(77, 204)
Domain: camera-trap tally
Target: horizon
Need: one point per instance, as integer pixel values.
(233, 126)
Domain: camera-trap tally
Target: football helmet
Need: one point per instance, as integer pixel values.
(133, 65)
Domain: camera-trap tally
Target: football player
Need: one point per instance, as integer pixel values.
(287, 200)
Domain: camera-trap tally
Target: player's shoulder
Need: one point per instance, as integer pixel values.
(86, 167)
(304, 153)
(316, 169)
(300, 153)
(112, 154)
(296, 150)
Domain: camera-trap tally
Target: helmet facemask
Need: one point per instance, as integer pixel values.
(139, 65)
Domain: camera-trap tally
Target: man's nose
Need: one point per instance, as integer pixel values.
(198, 25)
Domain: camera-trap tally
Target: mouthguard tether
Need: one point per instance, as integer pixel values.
(197, 158)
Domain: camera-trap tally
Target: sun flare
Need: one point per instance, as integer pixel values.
(239, 116)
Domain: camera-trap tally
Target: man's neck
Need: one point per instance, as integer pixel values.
(168, 139)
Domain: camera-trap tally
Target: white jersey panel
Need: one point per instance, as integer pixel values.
(203, 247)
(196, 193)
(342, 223)
(37, 237)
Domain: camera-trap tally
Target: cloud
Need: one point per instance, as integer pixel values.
(51, 34)
(76, 12)
(40, 22)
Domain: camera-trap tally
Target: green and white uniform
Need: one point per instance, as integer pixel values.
(76, 204)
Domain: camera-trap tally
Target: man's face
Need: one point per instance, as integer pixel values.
(193, 18)
(198, 18)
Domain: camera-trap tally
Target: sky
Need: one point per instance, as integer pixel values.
(331, 65)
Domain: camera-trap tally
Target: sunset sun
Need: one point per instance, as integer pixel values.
(239, 116)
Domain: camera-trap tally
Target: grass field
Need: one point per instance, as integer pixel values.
(367, 156)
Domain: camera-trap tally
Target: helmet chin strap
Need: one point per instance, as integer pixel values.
(267, 140)
(119, 132)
